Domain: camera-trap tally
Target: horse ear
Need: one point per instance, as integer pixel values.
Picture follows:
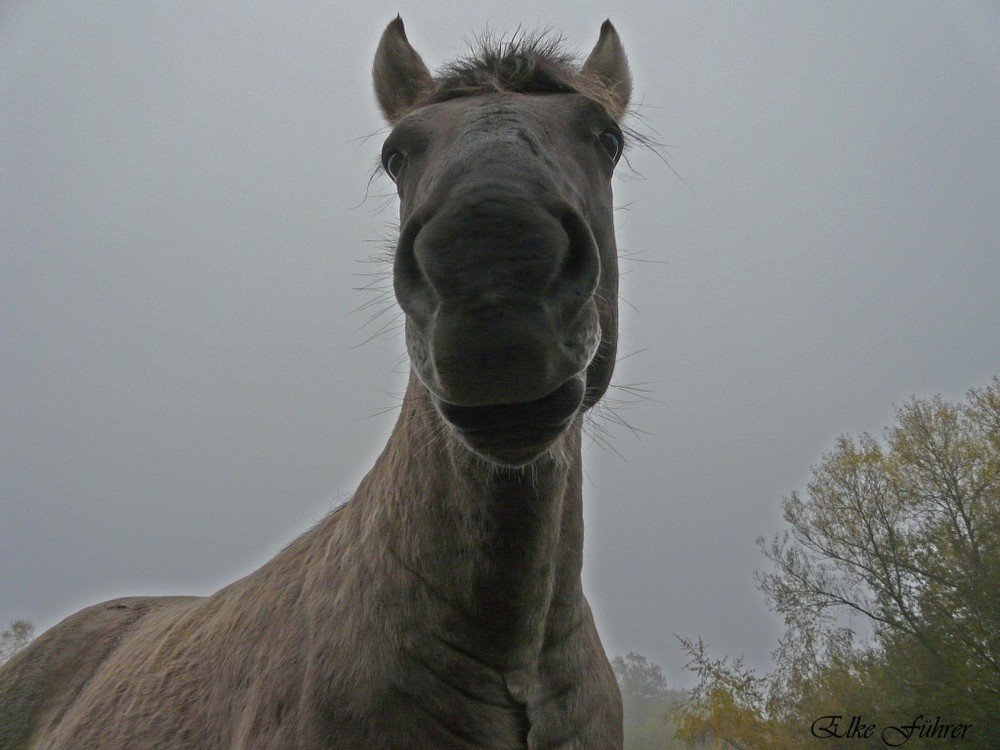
(607, 61)
(399, 75)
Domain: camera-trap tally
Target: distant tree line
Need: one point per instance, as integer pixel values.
(648, 704)
(14, 638)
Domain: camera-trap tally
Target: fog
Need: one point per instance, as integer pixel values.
(190, 234)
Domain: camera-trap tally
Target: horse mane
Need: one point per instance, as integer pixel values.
(526, 63)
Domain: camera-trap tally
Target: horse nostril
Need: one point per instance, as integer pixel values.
(581, 265)
(413, 290)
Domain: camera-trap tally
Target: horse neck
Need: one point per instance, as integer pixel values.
(488, 553)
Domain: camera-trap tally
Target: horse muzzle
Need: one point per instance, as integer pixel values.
(501, 317)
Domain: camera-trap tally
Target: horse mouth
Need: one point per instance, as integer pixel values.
(516, 434)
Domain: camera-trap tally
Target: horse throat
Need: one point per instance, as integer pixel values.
(492, 555)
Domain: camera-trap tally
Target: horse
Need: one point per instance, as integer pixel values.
(442, 605)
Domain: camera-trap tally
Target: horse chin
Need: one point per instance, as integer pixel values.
(516, 434)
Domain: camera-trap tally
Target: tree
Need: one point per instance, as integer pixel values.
(14, 638)
(642, 684)
(727, 708)
(646, 699)
(903, 537)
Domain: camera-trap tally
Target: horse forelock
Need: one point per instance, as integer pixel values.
(526, 63)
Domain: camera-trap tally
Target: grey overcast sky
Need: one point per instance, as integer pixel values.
(186, 217)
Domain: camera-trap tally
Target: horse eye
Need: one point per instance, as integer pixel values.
(393, 164)
(611, 141)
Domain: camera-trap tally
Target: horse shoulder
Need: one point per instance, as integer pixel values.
(40, 684)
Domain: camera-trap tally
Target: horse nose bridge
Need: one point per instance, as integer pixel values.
(488, 241)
